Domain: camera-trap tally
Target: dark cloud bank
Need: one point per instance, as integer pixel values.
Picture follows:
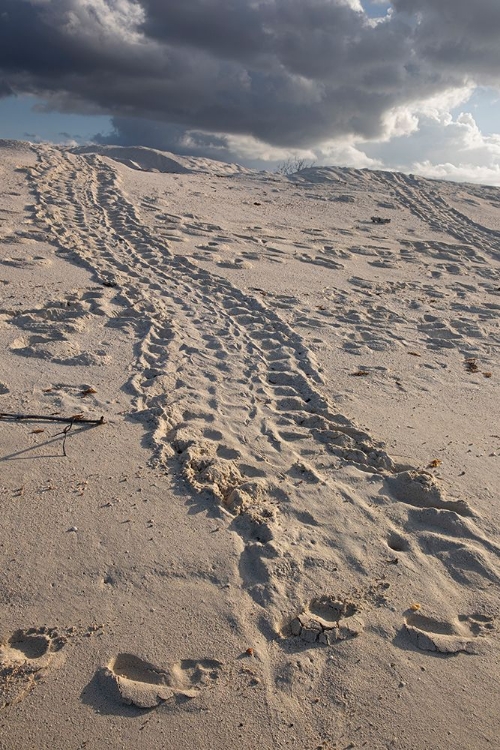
(291, 73)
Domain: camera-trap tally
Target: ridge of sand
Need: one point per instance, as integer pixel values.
(154, 160)
(227, 350)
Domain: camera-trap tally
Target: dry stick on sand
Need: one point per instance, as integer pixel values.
(70, 421)
(36, 417)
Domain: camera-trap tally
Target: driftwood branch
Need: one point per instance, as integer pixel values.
(76, 418)
(69, 421)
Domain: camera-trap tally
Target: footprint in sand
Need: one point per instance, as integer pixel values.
(447, 637)
(24, 658)
(139, 683)
(326, 620)
(420, 489)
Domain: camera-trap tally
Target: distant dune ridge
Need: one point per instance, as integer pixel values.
(153, 160)
(286, 531)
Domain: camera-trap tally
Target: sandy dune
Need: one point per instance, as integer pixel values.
(286, 532)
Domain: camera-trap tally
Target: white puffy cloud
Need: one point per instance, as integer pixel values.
(443, 146)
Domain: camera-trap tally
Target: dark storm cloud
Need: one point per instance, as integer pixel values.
(458, 35)
(5, 90)
(289, 72)
(132, 131)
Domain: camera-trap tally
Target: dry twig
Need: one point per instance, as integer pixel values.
(69, 421)
(49, 418)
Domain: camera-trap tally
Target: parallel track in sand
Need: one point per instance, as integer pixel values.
(232, 398)
(428, 205)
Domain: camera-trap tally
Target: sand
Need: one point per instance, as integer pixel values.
(285, 532)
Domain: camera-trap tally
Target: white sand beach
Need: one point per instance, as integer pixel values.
(286, 531)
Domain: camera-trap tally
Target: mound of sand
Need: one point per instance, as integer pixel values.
(153, 160)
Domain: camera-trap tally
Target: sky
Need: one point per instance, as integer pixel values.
(410, 85)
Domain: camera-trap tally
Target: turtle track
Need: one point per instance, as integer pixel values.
(230, 395)
(433, 209)
(250, 350)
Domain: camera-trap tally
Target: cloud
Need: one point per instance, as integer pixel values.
(443, 147)
(261, 76)
(457, 36)
(131, 131)
(5, 90)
